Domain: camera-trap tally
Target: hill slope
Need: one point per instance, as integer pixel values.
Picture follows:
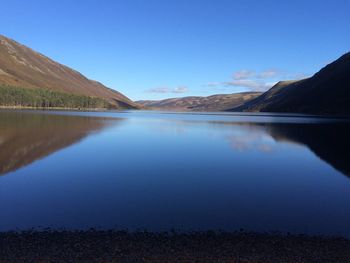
(327, 92)
(21, 66)
(211, 103)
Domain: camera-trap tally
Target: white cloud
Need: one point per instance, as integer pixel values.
(243, 74)
(250, 84)
(250, 74)
(251, 80)
(159, 90)
(269, 73)
(213, 84)
(179, 89)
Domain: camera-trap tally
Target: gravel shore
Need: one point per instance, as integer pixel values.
(122, 246)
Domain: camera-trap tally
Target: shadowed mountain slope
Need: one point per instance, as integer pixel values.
(327, 92)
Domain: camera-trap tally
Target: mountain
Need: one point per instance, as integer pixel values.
(327, 92)
(22, 67)
(211, 103)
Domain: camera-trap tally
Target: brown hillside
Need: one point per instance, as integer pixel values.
(218, 102)
(23, 67)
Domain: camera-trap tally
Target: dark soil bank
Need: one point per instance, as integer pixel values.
(112, 246)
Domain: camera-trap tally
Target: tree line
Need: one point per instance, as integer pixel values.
(44, 98)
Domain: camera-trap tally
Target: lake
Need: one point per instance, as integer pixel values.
(185, 171)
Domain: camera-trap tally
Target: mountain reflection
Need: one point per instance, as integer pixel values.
(27, 137)
(329, 141)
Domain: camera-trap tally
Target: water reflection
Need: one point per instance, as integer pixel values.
(26, 137)
(174, 171)
(330, 142)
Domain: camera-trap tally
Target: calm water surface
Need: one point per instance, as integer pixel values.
(162, 171)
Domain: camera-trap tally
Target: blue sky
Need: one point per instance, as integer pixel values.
(153, 49)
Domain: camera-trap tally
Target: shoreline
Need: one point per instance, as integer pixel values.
(122, 246)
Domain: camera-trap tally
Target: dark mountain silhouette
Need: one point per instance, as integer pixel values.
(327, 92)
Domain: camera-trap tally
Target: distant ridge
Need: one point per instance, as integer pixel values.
(327, 92)
(218, 102)
(23, 67)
